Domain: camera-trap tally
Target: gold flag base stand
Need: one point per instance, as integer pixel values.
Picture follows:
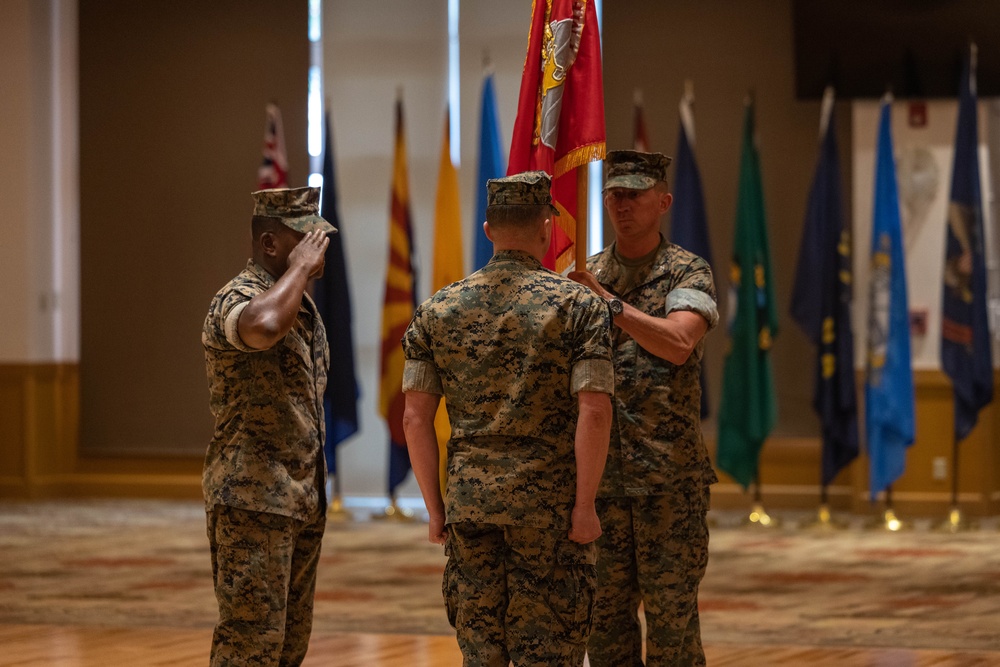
(890, 522)
(759, 518)
(956, 523)
(825, 521)
(336, 513)
(393, 512)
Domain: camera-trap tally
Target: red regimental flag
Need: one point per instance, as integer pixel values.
(560, 111)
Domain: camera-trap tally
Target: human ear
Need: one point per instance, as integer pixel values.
(268, 243)
(665, 201)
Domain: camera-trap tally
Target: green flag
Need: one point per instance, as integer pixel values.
(748, 409)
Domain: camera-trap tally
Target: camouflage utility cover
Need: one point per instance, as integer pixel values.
(267, 451)
(635, 170)
(508, 347)
(656, 439)
(298, 208)
(529, 188)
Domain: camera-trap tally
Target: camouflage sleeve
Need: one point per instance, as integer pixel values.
(419, 371)
(421, 376)
(695, 301)
(695, 292)
(221, 326)
(592, 366)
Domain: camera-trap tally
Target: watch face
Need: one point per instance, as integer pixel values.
(616, 307)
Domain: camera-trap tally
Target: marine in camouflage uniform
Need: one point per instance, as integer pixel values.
(522, 357)
(267, 356)
(655, 492)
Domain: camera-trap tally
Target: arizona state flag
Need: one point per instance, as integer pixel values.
(398, 306)
(560, 110)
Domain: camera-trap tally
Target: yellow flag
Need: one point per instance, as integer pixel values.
(449, 265)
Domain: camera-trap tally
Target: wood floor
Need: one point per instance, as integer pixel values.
(77, 646)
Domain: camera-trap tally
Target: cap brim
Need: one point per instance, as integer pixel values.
(309, 223)
(630, 181)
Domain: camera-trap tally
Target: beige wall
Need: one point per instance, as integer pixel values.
(172, 98)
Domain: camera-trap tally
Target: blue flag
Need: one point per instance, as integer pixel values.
(333, 300)
(688, 227)
(491, 165)
(821, 305)
(889, 402)
(965, 337)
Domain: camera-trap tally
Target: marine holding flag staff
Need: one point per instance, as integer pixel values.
(522, 357)
(654, 495)
(266, 355)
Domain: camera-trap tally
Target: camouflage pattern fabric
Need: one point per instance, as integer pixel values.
(298, 208)
(264, 568)
(519, 594)
(529, 188)
(655, 550)
(657, 439)
(654, 493)
(267, 451)
(508, 347)
(635, 170)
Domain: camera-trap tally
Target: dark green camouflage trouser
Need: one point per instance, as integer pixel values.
(519, 594)
(264, 567)
(654, 550)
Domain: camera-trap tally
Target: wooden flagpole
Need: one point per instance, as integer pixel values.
(582, 190)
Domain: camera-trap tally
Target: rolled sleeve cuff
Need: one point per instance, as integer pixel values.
(593, 375)
(695, 301)
(421, 376)
(231, 328)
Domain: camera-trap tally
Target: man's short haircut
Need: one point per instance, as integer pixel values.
(264, 223)
(503, 216)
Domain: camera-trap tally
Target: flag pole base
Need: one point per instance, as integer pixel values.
(825, 520)
(956, 522)
(393, 512)
(759, 518)
(890, 522)
(336, 513)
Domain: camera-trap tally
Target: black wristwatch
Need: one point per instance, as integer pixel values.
(616, 306)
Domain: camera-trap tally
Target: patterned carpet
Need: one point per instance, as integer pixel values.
(145, 563)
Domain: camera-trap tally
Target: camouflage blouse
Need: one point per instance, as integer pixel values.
(508, 348)
(656, 441)
(267, 451)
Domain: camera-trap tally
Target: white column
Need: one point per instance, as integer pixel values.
(39, 223)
